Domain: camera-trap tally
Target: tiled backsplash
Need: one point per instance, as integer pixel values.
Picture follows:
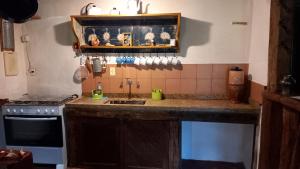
(194, 79)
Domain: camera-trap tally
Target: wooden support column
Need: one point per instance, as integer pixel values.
(295, 164)
(289, 134)
(281, 41)
(270, 135)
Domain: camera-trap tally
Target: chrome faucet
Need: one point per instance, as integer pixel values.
(129, 83)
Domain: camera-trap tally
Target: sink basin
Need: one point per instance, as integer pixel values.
(138, 102)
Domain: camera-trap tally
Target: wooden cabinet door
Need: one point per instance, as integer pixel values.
(151, 144)
(96, 143)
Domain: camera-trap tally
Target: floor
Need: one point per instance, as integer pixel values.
(186, 164)
(44, 167)
(196, 164)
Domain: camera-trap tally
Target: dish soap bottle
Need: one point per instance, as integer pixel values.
(98, 93)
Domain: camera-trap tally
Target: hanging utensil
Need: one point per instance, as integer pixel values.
(81, 73)
(88, 64)
(97, 66)
(104, 64)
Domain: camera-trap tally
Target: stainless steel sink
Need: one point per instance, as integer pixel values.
(138, 102)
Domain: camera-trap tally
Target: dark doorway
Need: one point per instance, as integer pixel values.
(296, 50)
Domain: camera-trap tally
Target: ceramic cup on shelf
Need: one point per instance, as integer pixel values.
(175, 61)
(124, 60)
(119, 60)
(143, 61)
(170, 59)
(164, 61)
(149, 60)
(130, 60)
(137, 61)
(157, 61)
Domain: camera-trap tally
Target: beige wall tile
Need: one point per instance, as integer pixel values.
(172, 73)
(115, 85)
(159, 84)
(143, 73)
(129, 71)
(189, 71)
(219, 86)
(204, 86)
(220, 71)
(172, 86)
(145, 86)
(204, 71)
(188, 86)
(158, 73)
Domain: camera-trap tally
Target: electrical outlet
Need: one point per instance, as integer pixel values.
(112, 71)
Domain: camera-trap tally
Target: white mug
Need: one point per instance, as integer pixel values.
(143, 61)
(164, 61)
(137, 61)
(149, 60)
(157, 60)
(170, 59)
(175, 61)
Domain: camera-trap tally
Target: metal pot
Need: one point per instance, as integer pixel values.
(19, 13)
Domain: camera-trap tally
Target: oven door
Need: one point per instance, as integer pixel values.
(40, 131)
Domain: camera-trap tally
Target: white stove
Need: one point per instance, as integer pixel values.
(36, 124)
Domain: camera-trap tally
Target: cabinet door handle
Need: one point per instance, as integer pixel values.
(31, 119)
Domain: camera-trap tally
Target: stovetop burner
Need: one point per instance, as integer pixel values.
(42, 100)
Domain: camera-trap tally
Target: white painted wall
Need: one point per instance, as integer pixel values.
(217, 142)
(208, 36)
(259, 43)
(52, 56)
(13, 87)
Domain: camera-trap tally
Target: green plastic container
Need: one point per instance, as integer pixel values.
(97, 95)
(156, 94)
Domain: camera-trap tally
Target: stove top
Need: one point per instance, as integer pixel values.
(30, 100)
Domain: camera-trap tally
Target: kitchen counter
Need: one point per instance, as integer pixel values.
(182, 109)
(154, 128)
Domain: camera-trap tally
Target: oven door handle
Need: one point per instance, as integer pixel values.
(31, 119)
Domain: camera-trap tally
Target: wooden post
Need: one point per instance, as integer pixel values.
(281, 41)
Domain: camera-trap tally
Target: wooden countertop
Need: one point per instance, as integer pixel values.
(183, 109)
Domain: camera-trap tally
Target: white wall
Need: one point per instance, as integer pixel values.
(208, 36)
(52, 57)
(13, 87)
(217, 142)
(259, 45)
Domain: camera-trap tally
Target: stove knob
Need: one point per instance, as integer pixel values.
(14, 110)
(21, 110)
(46, 110)
(38, 110)
(52, 110)
(8, 110)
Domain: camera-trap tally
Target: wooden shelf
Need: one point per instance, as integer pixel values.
(82, 26)
(163, 16)
(126, 47)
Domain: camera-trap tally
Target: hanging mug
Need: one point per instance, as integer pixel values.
(97, 67)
